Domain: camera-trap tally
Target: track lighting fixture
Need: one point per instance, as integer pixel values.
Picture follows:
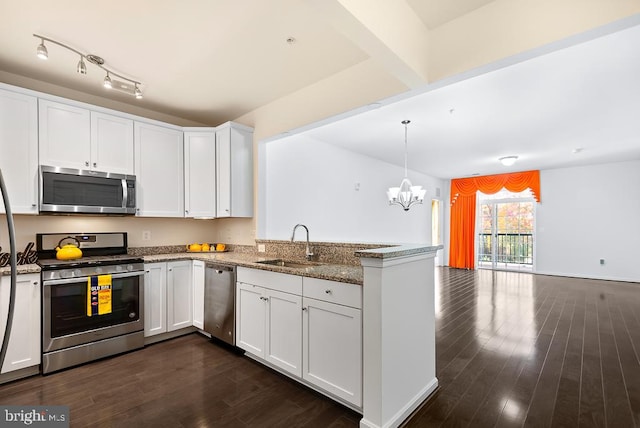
(129, 86)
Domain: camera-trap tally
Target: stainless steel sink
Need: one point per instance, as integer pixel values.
(288, 263)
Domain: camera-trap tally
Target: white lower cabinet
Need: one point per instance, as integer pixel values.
(332, 348)
(310, 328)
(179, 295)
(24, 343)
(269, 326)
(168, 301)
(155, 299)
(198, 294)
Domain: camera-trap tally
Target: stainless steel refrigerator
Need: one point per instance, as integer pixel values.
(12, 261)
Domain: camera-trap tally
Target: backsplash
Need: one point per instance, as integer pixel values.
(325, 252)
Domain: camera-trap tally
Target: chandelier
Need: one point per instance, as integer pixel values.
(128, 86)
(406, 195)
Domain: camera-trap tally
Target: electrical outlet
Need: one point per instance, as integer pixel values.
(261, 248)
(601, 261)
(146, 235)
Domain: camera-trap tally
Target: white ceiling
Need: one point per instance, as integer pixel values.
(584, 97)
(212, 61)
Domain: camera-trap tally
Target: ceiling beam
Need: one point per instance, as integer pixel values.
(387, 30)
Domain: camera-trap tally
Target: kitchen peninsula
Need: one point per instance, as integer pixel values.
(398, 321)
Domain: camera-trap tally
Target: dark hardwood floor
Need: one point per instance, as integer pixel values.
(516, 349)
(512, 350)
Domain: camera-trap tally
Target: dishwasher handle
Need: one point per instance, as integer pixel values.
(220, 268)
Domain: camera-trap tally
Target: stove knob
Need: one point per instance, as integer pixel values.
(129, 268)
(118, 268)
(65, 274)
(76, 272)
(98, 270)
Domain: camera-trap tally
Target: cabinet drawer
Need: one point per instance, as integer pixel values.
(273, 280)
(341, 293)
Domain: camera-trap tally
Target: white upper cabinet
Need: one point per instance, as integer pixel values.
(74, 137)
(159, 171)
(199, 173)
(111, 143)
(234, 170)
(19, 150)
(65, 135)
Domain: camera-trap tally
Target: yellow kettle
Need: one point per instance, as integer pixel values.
(68, 251)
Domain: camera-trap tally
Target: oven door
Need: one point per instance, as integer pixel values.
(64, 307)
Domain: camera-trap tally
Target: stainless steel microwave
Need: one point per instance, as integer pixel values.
(66, 190)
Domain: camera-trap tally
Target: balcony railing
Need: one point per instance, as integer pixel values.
(510, 248)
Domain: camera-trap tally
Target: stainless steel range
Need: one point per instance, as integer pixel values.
(92, 307)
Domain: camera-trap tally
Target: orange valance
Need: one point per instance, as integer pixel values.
(490, 184)
(463, 213)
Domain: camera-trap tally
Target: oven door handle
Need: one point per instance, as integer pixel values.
(85, 278)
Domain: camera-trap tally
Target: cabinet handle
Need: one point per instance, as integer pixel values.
(95, 164)
(33, 205)
(226, 210)
(186, 211)
(328, 291)
(304, 309)
(170, 270)
(147, 271)
(86, 163)
(35, 282)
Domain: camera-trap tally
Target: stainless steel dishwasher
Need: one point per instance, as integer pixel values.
(220, 302)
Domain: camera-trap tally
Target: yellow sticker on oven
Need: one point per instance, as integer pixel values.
(99, 295)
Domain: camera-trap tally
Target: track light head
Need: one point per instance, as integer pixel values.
(107, 81)
(82, 67)
(137, 92)
(42, 52)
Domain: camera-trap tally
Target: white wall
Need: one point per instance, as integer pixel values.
(587, 214)
(306, 181)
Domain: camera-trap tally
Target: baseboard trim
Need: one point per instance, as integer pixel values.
(406, 411)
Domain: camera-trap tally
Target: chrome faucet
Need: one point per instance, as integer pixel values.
(308, 253)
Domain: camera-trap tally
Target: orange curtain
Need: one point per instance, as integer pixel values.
(463, 209)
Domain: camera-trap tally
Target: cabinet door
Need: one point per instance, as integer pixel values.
(179, 295)
(159, 171)
(332, 348)
(155, 299)
(251, 312)
(234, 171)
(111, 143)
(24, 343)
(284, 331)
(64, 135)
(19, 148)
(198, 294)
(200, 174)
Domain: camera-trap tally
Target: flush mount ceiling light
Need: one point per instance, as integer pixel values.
(129, 86)
(405, 195)
(508, 160)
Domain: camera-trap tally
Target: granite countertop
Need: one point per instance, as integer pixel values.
(333, 272)
(22, 269)
(398, 251)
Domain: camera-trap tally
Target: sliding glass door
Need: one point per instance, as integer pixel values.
(505, 233)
